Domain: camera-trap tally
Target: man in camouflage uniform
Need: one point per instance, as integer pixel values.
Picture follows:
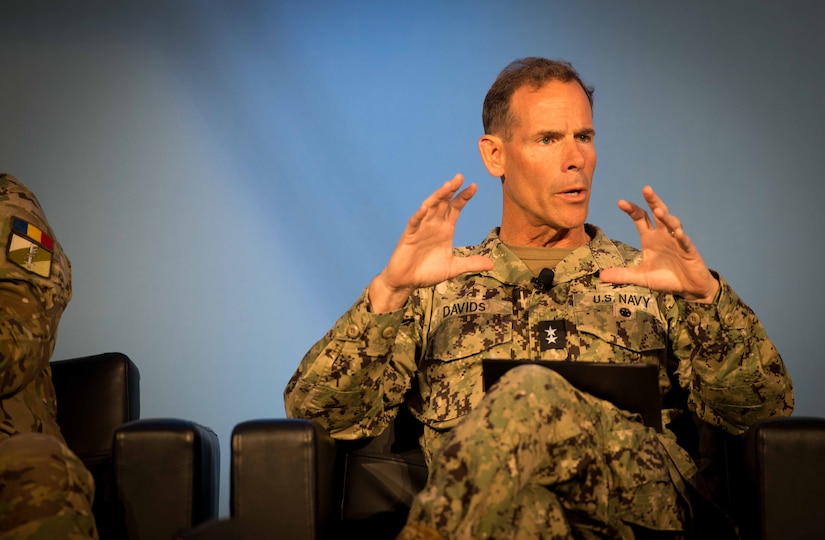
(534, 457)
(45, 491)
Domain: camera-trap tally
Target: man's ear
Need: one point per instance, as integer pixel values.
(492, 154)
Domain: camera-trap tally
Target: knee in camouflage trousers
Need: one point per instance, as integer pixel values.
(540, 459)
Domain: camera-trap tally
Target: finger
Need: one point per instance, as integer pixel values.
(445, 192)
(673, 226)
(660, 212)
(461, 200)
(683, 239)
(454, 183)
(662, 215)
(457, 203)
(442, 195)
(637, 214)
(417, 217)
(671, 223)
(653, 200)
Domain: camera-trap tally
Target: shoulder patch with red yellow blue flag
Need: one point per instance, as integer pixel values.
(30, 248)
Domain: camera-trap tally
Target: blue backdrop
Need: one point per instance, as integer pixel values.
(227, 176)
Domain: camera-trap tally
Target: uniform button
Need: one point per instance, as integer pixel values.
(694, 319)
(353, 331)
(389, 332)
(729, 319)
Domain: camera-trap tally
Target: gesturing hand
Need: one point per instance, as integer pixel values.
(424, 255)
(670, 261)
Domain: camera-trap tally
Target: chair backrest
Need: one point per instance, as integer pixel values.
(96, 395)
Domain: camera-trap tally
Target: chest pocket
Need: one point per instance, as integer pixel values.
(619, 333)
(450, 372)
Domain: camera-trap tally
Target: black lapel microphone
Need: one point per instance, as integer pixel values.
(545, 280)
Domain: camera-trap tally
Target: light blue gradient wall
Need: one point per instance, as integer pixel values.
(227, 176)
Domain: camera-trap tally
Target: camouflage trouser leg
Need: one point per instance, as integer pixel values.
(46, 491)
(539, 459)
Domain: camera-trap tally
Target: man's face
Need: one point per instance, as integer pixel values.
(547, 164)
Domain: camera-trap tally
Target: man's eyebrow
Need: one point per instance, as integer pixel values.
(559, 134)
(549, 133)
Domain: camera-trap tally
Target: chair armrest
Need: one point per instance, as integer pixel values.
(785, 459)
(291, 477)
(282, 479)
(166, 476)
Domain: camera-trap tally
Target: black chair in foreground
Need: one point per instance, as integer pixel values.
(289, 478)
(778, 496)
(153, 477)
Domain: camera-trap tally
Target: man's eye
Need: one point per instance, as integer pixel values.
(546, 140)
(585, 138)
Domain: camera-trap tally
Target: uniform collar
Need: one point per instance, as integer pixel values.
(599, 253)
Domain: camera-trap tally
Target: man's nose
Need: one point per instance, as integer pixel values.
(573, 156)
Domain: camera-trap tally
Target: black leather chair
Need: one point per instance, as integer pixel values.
(785, 462)
(153, 477)
(289, 477)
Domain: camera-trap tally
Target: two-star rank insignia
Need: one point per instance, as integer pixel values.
(30, 248)
(552, 335)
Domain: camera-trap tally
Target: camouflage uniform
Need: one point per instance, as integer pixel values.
(46, 491)
(713, 359)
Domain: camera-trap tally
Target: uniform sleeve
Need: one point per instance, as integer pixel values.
(353, 379)
(27, 331)
(731, 370)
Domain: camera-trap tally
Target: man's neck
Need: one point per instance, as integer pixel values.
(564, 238)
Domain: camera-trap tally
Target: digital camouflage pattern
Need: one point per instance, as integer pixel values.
(549, 434)
(46, 492)
(713, 359)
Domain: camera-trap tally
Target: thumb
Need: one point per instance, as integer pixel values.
(620, 276)
(475, 263)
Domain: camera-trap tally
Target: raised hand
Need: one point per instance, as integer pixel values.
(424, 255)
(670, 261)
